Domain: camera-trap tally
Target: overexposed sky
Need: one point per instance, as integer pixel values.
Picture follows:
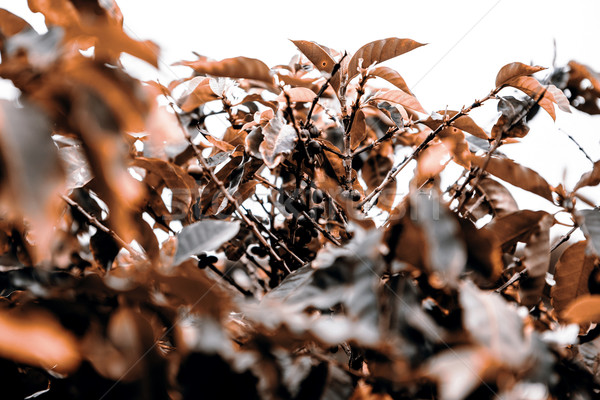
(468, 42)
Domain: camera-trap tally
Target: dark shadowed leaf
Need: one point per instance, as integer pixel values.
(380, 51)
(514, 70)
(516, 174)
(279, 141)
(237, 67)
(494, 324)
(571, 275)
(515, 227)
(585, 308)
(491, 198)
(591, 178)
(591, 229)
(536, 260)
(358, 133)
(446, 251)
(374, 172)
(393, 113)
(583, 95)
(483, 251)
(203, 236)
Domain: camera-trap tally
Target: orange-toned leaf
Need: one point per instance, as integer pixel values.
(591, 178)
(464, 123)
(316, 55)
(515, 227)
(391, 76)
(514, 70)
(399, 97)
(57, 12)
(516, 174)
(10, 24)
(200, 93)
(583, 309)
(373, 173)
(358, 133)
(39, 340)
(237, 67)
(572, 273)
(380, 51)
(298, 95)
(559, 97)
(535, 90)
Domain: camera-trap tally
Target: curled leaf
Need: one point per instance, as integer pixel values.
(514, 70)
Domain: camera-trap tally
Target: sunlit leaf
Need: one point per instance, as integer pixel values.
(205, 235)
(380, 51)
(391, 76)
(316, 55)
(536, 91)
(199, 92)
(10, 24)
(237, 67)
(358, 133)
(536, 256)
(591, 178)
(514, 70)
(397, 96)
(297, 95)
(516, 174)
(279, 141)
(585, 308)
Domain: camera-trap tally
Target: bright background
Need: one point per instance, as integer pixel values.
(468, 42)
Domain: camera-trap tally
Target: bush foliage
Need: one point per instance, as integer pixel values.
(150, 252)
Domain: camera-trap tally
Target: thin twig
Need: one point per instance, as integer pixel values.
(230, 280)
(99, 225)
(578, 145)
(228, 196)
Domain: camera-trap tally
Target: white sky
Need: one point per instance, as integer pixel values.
(468, 42)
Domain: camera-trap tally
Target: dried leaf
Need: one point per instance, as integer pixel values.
(498, 201)
(397, 96)
(391, 76)
(536, 91)
(536, 260)
(561, 100)
(380, 51)
(279, 141)
(358, 133)
(516, 174)
(464, 123)
(202, 236)
(514, 70)
(591, 178)
(237, 67)
(199, 92)
(56, 12)
(10, 24)
(374, 172)
(572, 273)
(583, 309)
(583, 86)
(297, 95)
(316, 55)
(515, 227)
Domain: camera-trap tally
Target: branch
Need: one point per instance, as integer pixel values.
(334, 71)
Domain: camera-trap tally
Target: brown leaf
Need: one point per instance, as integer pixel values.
(37, 339)
(380, 51)
(464, 123)
(279, 141)
(583, 96)
(197, 95)
(316, 55)
(358, 133)
(56, 12)
(515, 227)
(10, 24)
(534, 89)
(496, 201)
(585, 308)
(561, 100)
(483, 251)
(392, 77)
(514, 70)
(537, 261)
(237, 67)
(591, 178)
(298, 95)
(516, 174)
(455, 142)
(572, 273)
(374, 172)
(399, 97)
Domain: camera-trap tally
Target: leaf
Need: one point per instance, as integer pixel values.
(446, 252)
(374, 172)
(591, 229)
(56, 12)
(10, 24)
(535, 90)
(497, 199)
(358, 132)
(391, 76)
(515, 227)
(516, 174)
(514, 70)
(205, 235)
(583, 86)
(279, 141)
(494, 324)
(464, 123)
(537, 261)
(198, 92)
(571, 275)
(237, 67)
(591, 178)
(512, 122)
(393, 113)
(397, 96)
(559, 97)
(583, 309)
(380, 51)
(297, 95)
(316, 55)
(37, 339)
